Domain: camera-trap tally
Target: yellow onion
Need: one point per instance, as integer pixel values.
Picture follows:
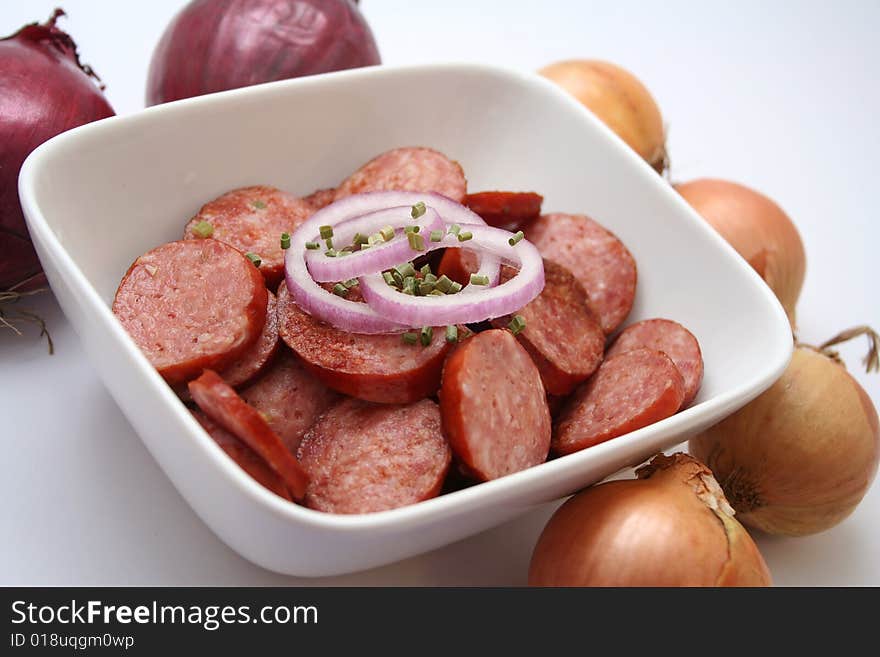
(759, 231)
(619, 99)
(670, 527)
(800, 457)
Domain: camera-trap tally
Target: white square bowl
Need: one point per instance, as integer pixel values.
(97, 197)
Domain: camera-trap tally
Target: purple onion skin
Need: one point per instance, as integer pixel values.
(44, 90)
(215, 45)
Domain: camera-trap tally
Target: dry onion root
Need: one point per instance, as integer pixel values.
(757, 229)
(798, 459)
(670, 527)
(11, 317)
(620, 100)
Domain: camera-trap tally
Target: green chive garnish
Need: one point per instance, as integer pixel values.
(285, 241)
(464, 237)
(360, 239)
(436, 293)
(254, 258)
(259, 205)
(452, 333)
(374, 239)
(411, 229)
(454, 288)
(313, 246)
(418, 210)
(426, 269)
(425, 289)
(429, 277)
(444, 283)
(416, 242)
(340, 290)
(326, 232)
(426, 334)
(350, 283)
(331, 253)
(410, 338)
(389, 278)
(329, 242)
(436, 235)
(203, 229)
(398, 279)
(517, 236)
(479, 280)
(406, 269)
(517, 324)
(454, 229)
(387, 233)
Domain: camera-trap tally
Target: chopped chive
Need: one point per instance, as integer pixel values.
(387, 233)
(340, 290)
(464, 237)
(348, 250)
(436, 235)
(426, 269)
(409, 281)
(374, 239)
(436, 293)
(416, 242)
(254, 258)
(389, 278)
(454, 229)
(313, 246)
(454, 288)
(203, 229)
(285, 241)
(406, 269)
(517, 324)
(425, 289)
(429, 277)
(418, 210)
(331, 253)
(350, 283)
(326, 232)
(259, 205)
(479, 280)
(359, 239)
(398, 279)
(410, 338)
(517, 237)
(452, 333)
(443, 283)
(329, 242)
(411, 229)
(426, 334)
(408, 290)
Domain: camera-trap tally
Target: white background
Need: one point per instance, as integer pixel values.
(782, 96)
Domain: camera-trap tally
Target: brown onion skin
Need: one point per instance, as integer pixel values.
(619, 99)
(652, 531)
(799, 458)
(758, 229)
(215, 45)
(44, 90)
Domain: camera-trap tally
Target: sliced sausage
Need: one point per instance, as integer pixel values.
(259, 354)
(628, 392)
(320, 198)
(675, 341)
(364, 457)
(595, 256)
(458, 264)
(221, 403)
(561, 335)
(190, 305)
(244, 456)
(252, 219)
(493, 405)
(508, 210)
(412, 169)
(377, 368)
(289, 398)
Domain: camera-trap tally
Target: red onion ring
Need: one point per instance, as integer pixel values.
(464, 308)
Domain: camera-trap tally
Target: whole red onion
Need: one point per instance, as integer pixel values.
(214, 45)
(44, 90)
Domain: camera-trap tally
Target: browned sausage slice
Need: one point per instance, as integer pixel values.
(244, 456)
(494, 407)
(377, 368)
(674, 340)
(259, 354)
(320, 198)
(508, 210)
(561, 335)
(364, 457)
(252, 219)
(221, 403)
(628, 392)
(190, 305)
(290, 398)
(411, 169)
(595, 256)
(458, 264)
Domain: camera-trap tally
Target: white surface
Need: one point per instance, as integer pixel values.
(780, 97)
(99, 196)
